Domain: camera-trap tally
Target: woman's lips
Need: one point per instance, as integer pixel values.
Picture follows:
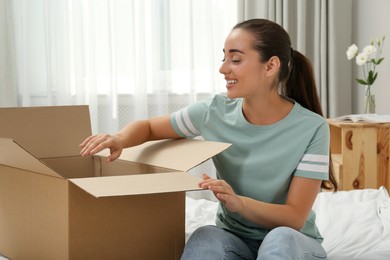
(230, 83)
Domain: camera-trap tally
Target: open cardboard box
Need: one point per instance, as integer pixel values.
(55, 204)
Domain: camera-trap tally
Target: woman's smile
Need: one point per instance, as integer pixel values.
(230, 83)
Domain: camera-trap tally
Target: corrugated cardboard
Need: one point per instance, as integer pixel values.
(55, 204)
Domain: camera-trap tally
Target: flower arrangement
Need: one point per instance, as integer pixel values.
(369, 58)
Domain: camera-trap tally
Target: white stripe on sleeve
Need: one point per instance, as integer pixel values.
(316, 158)
(313, 167)
(180, 123)
(188, 122)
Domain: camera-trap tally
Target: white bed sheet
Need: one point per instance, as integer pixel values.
(355, 224)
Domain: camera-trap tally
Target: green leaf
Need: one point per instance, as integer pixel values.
(377, 62)
(370, 75)
(361, 81)
(374, 77)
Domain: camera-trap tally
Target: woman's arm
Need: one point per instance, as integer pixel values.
(131, 135)
(301, 196)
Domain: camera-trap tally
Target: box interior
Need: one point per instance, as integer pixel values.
(96, 166)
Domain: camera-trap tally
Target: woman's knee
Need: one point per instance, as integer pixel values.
(206, 234)
(211, 242)
(288, 243)
(281, 234)
(205, 241)
(284, 238)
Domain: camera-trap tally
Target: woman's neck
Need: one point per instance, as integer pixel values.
(267, 110)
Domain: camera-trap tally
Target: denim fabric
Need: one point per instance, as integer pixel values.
(214, 243)
(287, 243)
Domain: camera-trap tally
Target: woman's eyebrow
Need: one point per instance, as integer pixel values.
(234, 50)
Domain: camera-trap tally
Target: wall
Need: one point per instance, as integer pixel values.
(371, 19)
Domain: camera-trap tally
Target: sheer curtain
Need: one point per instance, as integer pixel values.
(8, 93)
(132, 59)
(126, 59)
(317, 29)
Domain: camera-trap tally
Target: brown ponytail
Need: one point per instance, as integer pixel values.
(301, 87)
(296, 75)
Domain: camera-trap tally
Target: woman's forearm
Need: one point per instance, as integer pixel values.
(135, 133)
(270, 215)
(138, 132)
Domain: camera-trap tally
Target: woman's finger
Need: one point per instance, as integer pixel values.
(206, 178)
(86, 140)
(95, 144)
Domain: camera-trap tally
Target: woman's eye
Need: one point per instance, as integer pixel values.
(234, 61)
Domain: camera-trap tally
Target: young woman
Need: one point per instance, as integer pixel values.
(279, 159)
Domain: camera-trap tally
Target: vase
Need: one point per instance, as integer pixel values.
(369, 102)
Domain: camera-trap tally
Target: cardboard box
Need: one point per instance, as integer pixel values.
(55, 204)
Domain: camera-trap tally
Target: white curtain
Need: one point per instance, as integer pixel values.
(322, 30)
(126, 59)
(8, 92)
(132, 59)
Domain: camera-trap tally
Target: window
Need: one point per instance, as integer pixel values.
(124, 46)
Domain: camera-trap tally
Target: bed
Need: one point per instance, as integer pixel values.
(355, 224)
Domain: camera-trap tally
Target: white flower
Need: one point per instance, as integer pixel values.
(369, 50)
(361, 58)
(352, 51)
(369, 58)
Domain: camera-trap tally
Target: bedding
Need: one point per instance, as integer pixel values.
(355, 224)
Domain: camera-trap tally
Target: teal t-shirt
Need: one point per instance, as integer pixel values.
(262, 159)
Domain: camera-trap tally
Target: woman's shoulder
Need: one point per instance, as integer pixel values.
(309, 116)
(222, 100)
(218, 102)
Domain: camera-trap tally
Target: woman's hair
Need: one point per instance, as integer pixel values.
(296, 76)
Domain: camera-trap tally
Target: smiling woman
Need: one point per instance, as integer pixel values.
(255, 190)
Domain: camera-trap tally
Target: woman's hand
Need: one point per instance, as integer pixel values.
(134, 133)
(223, 192)
(97, 143)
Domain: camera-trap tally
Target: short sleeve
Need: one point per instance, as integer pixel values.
(315, 161)
(189, 121)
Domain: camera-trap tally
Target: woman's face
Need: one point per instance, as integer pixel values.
(243, 71)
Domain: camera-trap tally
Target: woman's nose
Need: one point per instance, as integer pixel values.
(223, 69)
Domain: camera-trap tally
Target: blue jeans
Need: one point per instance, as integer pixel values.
(214, 243)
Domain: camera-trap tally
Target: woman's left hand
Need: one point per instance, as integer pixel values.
(223, 192)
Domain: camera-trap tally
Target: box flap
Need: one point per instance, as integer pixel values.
(11, 154)
(180, 154)
(52, 131)
(139, 184)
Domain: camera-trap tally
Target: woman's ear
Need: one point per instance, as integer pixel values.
(273, 65)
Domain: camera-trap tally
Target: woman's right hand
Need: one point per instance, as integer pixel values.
(132, 134)
(97, 143)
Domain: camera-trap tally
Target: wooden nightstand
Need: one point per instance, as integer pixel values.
(360, 153)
